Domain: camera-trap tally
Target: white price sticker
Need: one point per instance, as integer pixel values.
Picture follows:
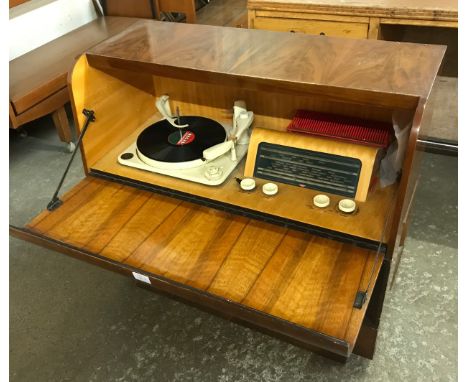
(141, 277)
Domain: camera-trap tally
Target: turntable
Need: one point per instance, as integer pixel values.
(193, 148)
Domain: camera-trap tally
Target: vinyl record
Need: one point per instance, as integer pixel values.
(163, 142)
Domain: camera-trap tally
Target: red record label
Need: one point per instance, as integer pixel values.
(180, 140)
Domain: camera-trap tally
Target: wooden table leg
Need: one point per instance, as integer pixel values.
(61, 124)
(374, 29)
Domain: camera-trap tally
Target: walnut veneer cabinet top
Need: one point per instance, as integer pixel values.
(255, 58)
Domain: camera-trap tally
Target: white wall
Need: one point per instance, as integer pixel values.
(37, 22)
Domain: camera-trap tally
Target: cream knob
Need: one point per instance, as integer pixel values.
(321, 201)
(270, 189)
(347, 205)
(247, 184)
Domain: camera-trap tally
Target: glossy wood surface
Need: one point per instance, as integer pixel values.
(409, 9)
(43, 71)
(359, 70)
(297, 277)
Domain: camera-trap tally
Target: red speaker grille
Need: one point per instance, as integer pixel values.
(362, 131)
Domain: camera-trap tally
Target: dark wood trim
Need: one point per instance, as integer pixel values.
(405, 188)
(228, 316)
(374, 309)
(365, 343)
(152, 4)
(296, 334)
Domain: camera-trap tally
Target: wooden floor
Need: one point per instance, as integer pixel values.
(298, 277)
(231, 13)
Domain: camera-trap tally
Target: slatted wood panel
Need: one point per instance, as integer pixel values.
(298, 277)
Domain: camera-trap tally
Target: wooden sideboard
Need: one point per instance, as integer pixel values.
(38, 79)
(354, 19)
(277, 264)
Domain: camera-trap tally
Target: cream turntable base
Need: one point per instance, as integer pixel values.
(197, 149)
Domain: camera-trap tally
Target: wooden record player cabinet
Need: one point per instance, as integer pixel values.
(277, 264)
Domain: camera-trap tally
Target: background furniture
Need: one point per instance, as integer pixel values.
(230, 13)
(186, 7)
(38, 79)
(357, 19)
(149, 9)
(135, 8)
(420, 21)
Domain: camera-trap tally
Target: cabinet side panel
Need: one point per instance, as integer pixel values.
(121, 100)
(408, 181)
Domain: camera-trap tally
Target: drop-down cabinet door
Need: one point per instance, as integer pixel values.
(294, 284)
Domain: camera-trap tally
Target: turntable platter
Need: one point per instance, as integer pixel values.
(163, 145)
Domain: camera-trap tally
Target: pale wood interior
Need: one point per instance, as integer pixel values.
(124, 106)
(272, 110)
(368, 223)
(122, 101)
